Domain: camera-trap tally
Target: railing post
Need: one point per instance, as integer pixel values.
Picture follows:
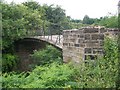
(48, 33)
(58, 34)
(43, 28)
(59, 37)
(51, 36)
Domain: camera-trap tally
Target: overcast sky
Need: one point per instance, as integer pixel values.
(77, 9)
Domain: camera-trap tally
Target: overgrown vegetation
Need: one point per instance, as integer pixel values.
(21, 20)
(54, 75)
(9, 61)
(108, 21)
(46, 56)
(102, 73)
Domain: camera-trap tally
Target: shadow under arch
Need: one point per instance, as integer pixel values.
(24, 48)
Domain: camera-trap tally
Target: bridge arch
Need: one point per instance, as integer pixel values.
(31, 44)
(25, 47)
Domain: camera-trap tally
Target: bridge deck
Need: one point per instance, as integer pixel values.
(56, 40)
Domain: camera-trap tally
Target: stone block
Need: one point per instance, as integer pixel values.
(101, 43)
(77, 45)
(72, 40)
(65, 36)
(67, 59)
(88, 50)
(102, 30)
(82, 45)
(65, 44)
(87, 37)
(97, 50)
(80, 31)
(81, 36)
(97, 36)
(91, 30)
(80, 40)
(90, 41)
(74, 35)
(101, 36)
(92, 45)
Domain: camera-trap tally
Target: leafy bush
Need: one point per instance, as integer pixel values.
(8, 62)
(109, 22)
(49, 76)
(102, 73)
(46, 56)
(13, 80)
(111, 48)
(52, 76)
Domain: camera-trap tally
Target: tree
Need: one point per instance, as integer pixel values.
(57, 18)
(18, 21)
(87, 20)
(109, 22)
(13, 23)
(32, 5)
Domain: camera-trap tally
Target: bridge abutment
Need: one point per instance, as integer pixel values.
(82, 44)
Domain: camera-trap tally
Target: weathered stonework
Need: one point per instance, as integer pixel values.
(78, 44)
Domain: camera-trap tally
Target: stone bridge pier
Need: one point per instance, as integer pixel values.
(84, 43)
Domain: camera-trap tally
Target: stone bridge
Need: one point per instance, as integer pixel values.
(76, 44)
(79, 44)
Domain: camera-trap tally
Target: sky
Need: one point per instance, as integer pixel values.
(77, 9)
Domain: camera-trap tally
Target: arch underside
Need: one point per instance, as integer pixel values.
(25, 47)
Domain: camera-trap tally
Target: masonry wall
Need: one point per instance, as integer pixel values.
(80, 44)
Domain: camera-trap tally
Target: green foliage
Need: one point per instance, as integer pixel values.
(49, 76)
(57, 18)
(20, 20)
(111, 48)
(109, 22)
(13, 80)
(32, 5)
(101, 73)
(52, 76)
(77, 25)
(87, 20)
(29, 18)
(47, 55)
(13, 23)
(8, 62)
